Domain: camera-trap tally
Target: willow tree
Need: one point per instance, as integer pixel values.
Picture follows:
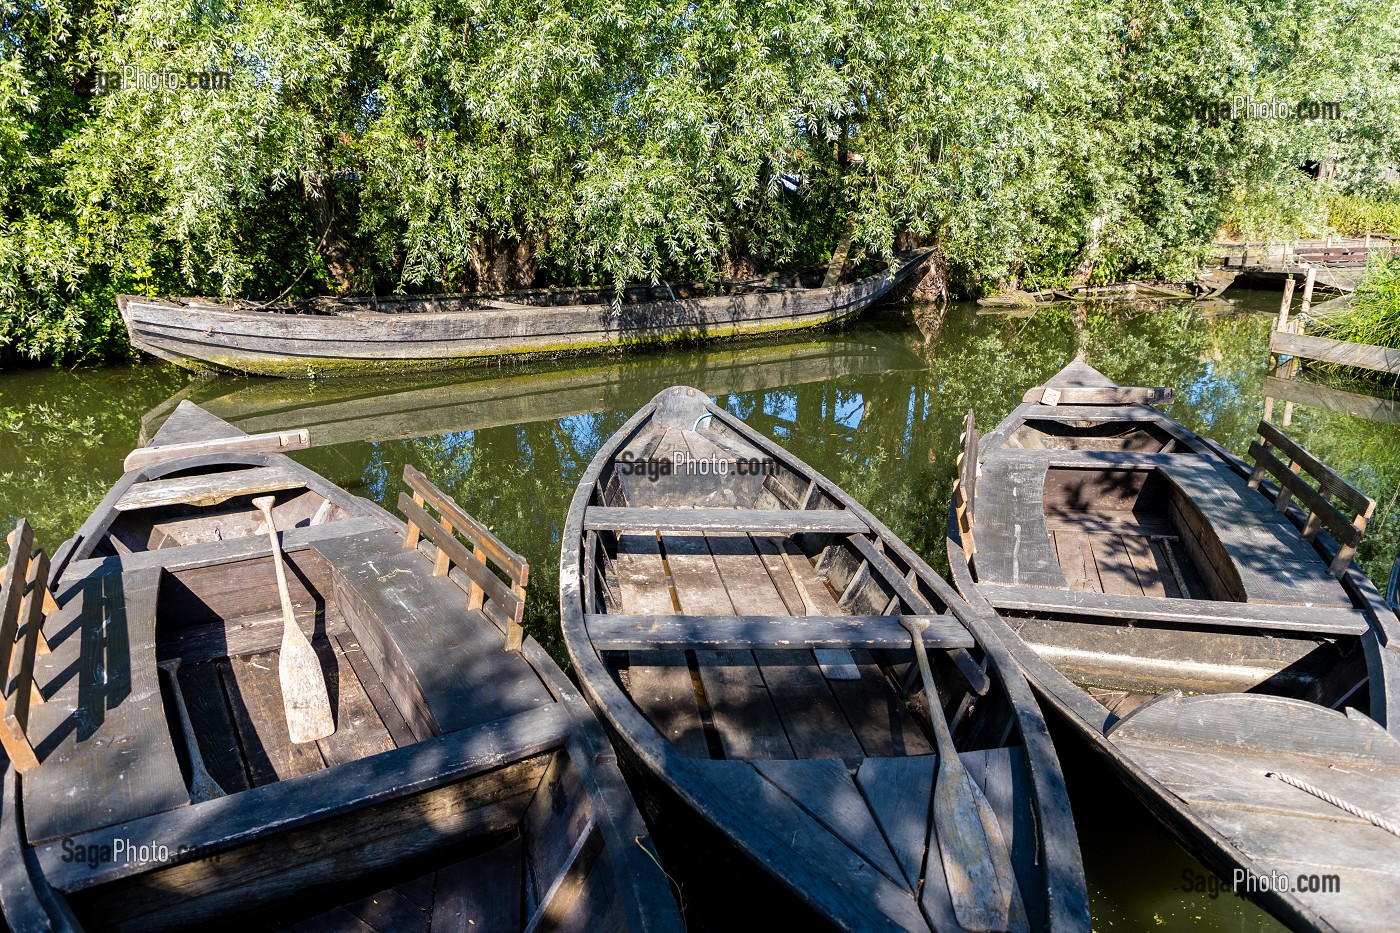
(381, 145)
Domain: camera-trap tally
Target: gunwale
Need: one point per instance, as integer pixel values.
(703, 787)
(36, 880)
(1207, 833)
(200, 333)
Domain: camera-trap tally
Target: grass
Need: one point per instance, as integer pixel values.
(1374, 315)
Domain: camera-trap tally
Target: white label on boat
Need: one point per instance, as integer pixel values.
(1050, 397)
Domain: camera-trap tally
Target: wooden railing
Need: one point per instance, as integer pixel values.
(24, 601)
(502, 601)
(965, 483)
(1269, 453)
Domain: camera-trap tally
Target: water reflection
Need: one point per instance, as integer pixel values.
(876, 407)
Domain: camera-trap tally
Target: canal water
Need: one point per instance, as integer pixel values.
(876, 406)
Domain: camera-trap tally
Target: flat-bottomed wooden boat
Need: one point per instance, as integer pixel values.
(1198, 620)
(743, 628)
(152, 782)
(336, 337)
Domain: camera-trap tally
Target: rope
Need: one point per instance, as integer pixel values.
(1373, 818)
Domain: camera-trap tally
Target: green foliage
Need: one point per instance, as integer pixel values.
(1354, 215)
(1373, 316)
(470, 144)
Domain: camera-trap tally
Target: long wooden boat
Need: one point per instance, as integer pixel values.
(1198, 621)
(742, 626)
(152, 783)
(331, 337)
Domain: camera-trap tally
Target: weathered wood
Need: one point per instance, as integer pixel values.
(367, 335)
(749, 521)
(481, 893)
(18, 688)
(255, 696)
(899, 792)
(824, 788)
(1186, 612)
(640, 633)
(233, 821)
(305, 702)
(659, 682)
(494, 588)
(1327, 350)
(478, 534)
(206, 489)
(276, 442)
(109, 690)
(1337, 524)
(1103, 395)
(1314, 395)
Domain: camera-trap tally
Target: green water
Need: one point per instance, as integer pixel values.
(877, 407)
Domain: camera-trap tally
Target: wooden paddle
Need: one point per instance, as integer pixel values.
(975, 858)
(304, 694)
(202, 784)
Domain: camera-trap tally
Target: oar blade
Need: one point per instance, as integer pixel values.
(304, 694)
(973, 852)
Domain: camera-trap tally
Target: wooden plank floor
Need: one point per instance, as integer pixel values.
(761, 705)
(236, 708)
(485, 892)
(1122, 556)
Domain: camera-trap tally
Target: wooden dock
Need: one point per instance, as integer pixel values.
(1339, 262)
(1288, 343)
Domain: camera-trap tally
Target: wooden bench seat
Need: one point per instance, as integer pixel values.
(206, 489)
(750, 521)
(659, 632)
(446, 665)
(105, 751)
(1322, 620)
(1274, 563)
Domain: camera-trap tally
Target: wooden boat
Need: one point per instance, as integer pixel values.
(330, 337)
(742, 627)
(1197, 620)
(466, 785)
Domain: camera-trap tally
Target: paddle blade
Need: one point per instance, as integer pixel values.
(304, 690)
(975, 860)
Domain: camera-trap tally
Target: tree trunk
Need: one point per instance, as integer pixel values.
(334, 249)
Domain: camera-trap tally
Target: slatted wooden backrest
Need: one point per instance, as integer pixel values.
(503, 602)
(1269, 453)
(965, 483)
(24, 600)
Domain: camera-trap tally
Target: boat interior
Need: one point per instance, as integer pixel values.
(1127, 504)
(193, 638)
(828, 725)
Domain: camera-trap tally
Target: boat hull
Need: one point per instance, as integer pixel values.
(206, 335)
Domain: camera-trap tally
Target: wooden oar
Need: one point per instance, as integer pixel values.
(202, 784)
(975, 859)
(304, 694)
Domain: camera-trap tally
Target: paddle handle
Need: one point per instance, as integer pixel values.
(202, 784)
(947, 751)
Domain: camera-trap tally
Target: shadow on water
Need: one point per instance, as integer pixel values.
(877, 407)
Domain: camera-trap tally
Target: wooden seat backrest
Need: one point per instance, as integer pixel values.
(1270, 452)
(965, 483)
(24, 600)
(501, 600)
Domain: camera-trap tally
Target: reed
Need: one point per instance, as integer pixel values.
(1374, 315)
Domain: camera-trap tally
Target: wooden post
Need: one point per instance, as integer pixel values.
(476, 596)
(410, 538)
(1287, 414)
(443, 563)
(1308, 290)
(1283, 308)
